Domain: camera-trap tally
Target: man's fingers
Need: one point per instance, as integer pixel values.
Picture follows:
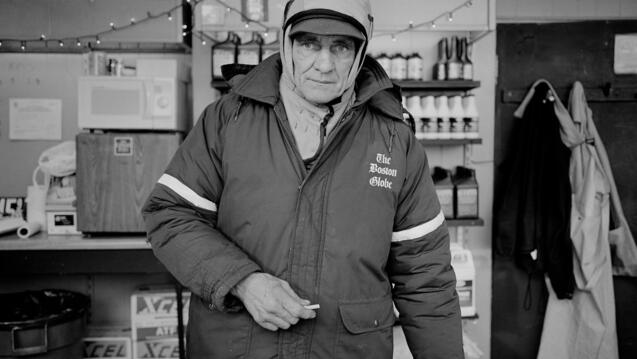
(276, 321)
(296, 306)
(292, 293)
(268, 326)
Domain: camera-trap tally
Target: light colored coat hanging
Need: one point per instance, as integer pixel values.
(584, 327)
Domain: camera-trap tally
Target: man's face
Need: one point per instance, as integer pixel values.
(321, 65)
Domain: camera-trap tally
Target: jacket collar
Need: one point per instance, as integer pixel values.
(372, 86)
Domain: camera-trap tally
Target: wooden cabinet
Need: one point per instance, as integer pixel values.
(115, 174)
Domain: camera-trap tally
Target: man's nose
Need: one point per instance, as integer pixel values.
(324, 61)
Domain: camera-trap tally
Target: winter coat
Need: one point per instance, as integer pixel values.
(533, 218)
(361, 230)
(584, 327)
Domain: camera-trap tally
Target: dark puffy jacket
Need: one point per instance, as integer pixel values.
(236, 199)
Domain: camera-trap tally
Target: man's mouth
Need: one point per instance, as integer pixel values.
(322, 82)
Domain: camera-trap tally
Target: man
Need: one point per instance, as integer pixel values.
(300, 207)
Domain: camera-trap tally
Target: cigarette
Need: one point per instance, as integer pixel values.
(312, 306)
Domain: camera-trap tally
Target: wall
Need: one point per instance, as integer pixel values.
(54, 75)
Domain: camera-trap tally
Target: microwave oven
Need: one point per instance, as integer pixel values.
(138, 103)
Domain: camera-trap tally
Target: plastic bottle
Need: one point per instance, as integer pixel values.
(456, 117)
(414, 67)
(399, 67)
(466, 192)
(471, 117)
(442, 111)
(413, 106)
(429, 117)
(385, 63)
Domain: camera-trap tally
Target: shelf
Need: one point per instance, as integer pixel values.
(74, 254)
(448, 142)
(42, 241)
(469, 222)
(458, 85)
(407, 85)
(219, 84)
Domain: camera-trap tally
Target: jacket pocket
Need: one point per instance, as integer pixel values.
(367, 329)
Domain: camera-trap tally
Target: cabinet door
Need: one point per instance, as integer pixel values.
(115, 174)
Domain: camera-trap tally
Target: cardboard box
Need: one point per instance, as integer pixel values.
(107, 348)
(107, 342)
(466, 200)
(444, 190)
(158, 348)
(157, 306)
(154, 322)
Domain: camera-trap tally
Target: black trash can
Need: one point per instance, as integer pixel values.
(46, 323)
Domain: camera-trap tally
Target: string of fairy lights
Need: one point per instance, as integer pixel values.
(446, 16)
(94, 40)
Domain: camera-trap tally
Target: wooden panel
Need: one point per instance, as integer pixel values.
(111, 189)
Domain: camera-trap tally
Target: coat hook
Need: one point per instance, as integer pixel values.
(607, 89)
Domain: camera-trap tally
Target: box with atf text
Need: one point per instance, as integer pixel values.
(154, 322)
(107, 342)
(157, 306)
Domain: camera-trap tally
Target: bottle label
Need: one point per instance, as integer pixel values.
(454, 70)
(440, 72)
(454, 126)
(445, 197)
(443, 127)
(467, 203)
(470, 127)
(399, 69)
(467, 71)
(414, 68)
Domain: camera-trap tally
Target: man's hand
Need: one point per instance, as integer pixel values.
(271, 301)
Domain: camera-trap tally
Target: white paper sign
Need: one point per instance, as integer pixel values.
(35, 119)
(626, 54)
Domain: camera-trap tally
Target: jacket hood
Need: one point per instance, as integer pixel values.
(372, 86)
(356, 12)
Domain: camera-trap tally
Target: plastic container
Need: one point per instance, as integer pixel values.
(466, 199)
(47, 323)
(444, 190)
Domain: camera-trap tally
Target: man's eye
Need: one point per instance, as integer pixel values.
(310, 45)
(341, 48)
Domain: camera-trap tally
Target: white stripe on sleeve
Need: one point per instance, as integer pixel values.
(186, 193)
(420, 230)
